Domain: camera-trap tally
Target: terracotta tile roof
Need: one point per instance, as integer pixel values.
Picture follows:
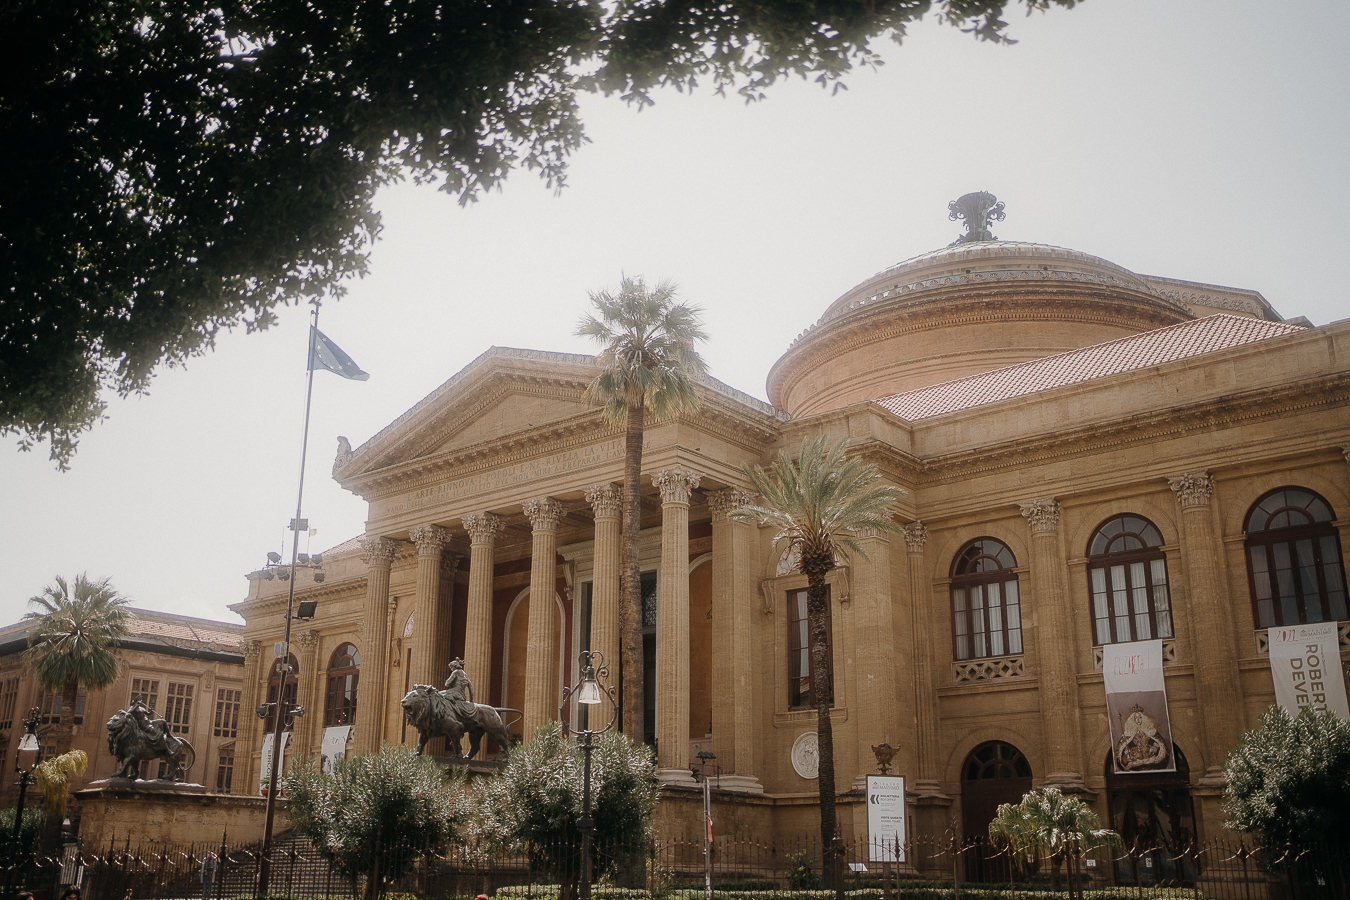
(166, 628)
(1138, 351)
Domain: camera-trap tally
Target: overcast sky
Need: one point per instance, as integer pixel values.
(1202, 140)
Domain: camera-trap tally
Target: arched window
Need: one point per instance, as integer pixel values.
(1127, 576)
(986, 612)
(344, 670)
(275, 689)
(1294, 560)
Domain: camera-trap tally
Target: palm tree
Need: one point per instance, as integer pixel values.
(819, 504)
(1047, 824)
(75, 626)
(648, 366)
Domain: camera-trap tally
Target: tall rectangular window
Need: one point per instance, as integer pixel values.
(227, 712)
(49, 707)
(225, 769)
(9, 699)
(801, 692)
(146, 690)
(178, 708)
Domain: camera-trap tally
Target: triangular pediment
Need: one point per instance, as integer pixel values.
(519, 407)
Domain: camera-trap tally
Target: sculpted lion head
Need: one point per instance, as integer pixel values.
(424, 705)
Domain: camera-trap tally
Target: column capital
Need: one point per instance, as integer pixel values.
(1042, 515)
(308, 641)
(482, 527)
(727, 501)
(605, 499)
(430, 539)
(450, 562)
(544, 513)
(378, 551)
(916, 535)
(251, 650)
(676, 483)
(1192, 488)
(870, 534)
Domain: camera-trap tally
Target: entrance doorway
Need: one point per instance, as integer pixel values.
(1153, 812)
(994, 773)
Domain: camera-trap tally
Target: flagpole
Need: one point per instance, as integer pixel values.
(283, 707)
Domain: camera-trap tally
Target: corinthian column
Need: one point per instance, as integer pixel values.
(541, 655)
(249, 738)
(1217, 691)
(607, 502)
(427, 619)
(672, 625)
(733, 646)
(482, 528)
(378, 553)
(1055, 648)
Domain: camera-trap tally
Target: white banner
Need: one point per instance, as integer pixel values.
(1305, 663)
(1136, 706)
(265, 769)
(334, 746)
(886, 818)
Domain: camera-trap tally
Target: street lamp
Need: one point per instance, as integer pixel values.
(28, 754)
(589, 693)
(285, 710)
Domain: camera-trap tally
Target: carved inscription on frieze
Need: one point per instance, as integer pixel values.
(507, 476)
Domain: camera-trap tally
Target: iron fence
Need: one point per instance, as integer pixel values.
(739, 868)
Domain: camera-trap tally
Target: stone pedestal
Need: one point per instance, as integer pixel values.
(158, 812)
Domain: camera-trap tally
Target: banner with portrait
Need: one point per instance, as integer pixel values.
(334, 746)
(1305, 663)
(1136, 706)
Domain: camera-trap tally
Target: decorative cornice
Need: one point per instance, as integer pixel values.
(482, 527)
(430, 539)
(676, 484)
(1042, 515)
(606, 500)
(1192, 489)
(728, 500)
(544, 513)
(378, 551)
(916, 535)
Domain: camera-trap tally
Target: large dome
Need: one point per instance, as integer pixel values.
(959, 311)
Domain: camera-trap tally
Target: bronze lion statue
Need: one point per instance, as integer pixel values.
(134, 734)
(433, 714)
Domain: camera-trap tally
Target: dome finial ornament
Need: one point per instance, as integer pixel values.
(978, 210)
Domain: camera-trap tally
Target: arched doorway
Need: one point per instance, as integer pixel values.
(1153, 812)
(994, 773)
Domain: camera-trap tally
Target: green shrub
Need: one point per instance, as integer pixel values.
(800, 874)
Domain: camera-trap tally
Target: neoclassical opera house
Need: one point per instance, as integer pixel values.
(1060, 424)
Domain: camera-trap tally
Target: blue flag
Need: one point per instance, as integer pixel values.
(324, 354)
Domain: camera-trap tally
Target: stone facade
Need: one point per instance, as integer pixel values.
(504, 471)
(189, 670)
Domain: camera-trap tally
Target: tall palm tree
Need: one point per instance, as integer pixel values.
(648, 366)
(76, 624)
(819, 503)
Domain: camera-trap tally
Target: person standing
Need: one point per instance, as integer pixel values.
(210, 867)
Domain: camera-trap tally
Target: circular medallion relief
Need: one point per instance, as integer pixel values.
(806, 755)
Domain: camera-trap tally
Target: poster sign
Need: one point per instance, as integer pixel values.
(1136, 705)
(886, 818)
(334, 746)
(1305, 663)
(265, 769)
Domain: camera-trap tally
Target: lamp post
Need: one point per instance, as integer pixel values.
(28, 752)
(284, 709)
(589, 693)
(701, 774)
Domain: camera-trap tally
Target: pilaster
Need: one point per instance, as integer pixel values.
(672, 625)
(926, 780)
(250, 738)
(541, 662)
(877, 703)
(309, 694)
(1060, 728)
(1218, 691)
